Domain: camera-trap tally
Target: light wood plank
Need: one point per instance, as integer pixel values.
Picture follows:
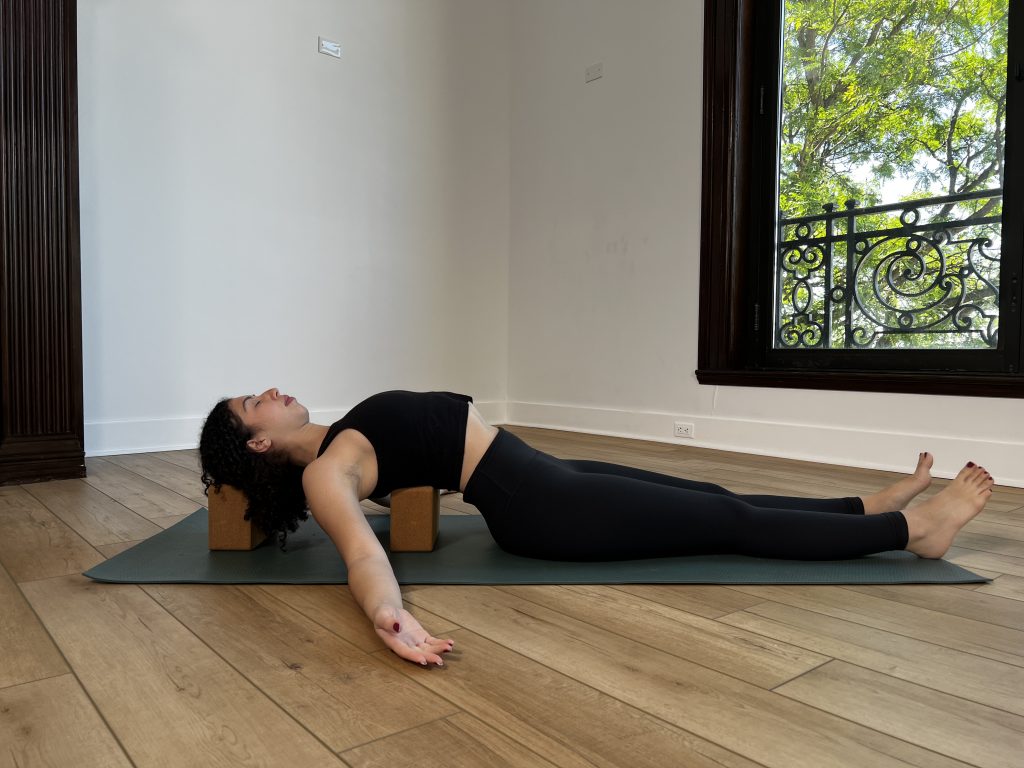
(335, 690)
(1005, 513)
(461, 741)
(28, 653)
(169, 699)
(334, 608)
(184, 482)
(972, 559)
(35, 543)
(52, 723)
(779, 484)
(149, 499)
(707, 600)
(522, 691)
(746, 655)
(950, 599)
(983, 736)
(988, 640)
(959, 674)
(189, 458)
(96, 517)
(1009, 500)
(565, 721)
(170, 520)
(109, 550)
(999, 530)
(992, 544)
(507, 751)
(734, 714)
(1011, 587)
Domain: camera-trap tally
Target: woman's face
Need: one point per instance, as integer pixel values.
(270, 416)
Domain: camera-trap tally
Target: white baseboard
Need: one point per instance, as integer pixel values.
(894, 451)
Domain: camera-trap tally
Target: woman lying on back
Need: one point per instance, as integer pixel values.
(535, 505)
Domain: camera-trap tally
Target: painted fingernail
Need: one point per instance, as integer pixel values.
(440, 663)
(396, 626)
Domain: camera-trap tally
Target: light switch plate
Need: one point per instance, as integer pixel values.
(329, 47)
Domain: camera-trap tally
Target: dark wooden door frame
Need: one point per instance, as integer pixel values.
(41, 413)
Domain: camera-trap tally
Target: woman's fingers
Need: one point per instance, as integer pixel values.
(439, 645)
(409, 640)
(431, 651)
(422, 653)
(425, 658)
(409, 652)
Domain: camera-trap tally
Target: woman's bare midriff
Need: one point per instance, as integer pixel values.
(479, 436)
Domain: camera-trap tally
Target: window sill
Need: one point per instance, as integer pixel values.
(961, 383)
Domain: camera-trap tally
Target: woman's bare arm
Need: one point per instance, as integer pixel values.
(331, 490)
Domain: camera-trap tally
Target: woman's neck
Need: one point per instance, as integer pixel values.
(303, 446)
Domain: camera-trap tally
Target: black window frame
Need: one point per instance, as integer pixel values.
(740, 119)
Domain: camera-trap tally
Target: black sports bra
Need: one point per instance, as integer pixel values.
(419, 437)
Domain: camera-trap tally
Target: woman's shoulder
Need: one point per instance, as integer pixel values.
(349, 453)
(348, 446)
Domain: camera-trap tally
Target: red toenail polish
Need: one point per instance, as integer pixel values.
(396, 626)
(970, 463)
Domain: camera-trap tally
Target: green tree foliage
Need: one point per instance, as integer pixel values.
(913, 88)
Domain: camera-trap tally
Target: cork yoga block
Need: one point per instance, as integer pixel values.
(415, 513)
(227, 524)
(414, 519)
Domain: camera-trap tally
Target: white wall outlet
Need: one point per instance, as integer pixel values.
(328, 47)
(594, 71)
(683, 429)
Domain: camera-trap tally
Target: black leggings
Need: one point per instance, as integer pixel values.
(536, 505)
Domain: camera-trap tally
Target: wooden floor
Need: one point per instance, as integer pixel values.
(195, 675)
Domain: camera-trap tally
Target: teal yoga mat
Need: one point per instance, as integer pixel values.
(466, 554)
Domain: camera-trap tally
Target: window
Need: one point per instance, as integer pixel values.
(855, 178)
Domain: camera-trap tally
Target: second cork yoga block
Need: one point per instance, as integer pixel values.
(228, 527)
(414, 519)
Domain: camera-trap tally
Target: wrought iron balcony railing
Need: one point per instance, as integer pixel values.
(917, 274)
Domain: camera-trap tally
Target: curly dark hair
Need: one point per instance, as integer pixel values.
(272, 485)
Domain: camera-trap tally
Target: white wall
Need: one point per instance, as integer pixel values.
(257, 214)
(605, 261)
(447, 206)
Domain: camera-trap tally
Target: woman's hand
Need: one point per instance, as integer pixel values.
(403, 634)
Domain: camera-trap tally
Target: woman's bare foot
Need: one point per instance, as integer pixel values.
(934, 523)
(899, 494)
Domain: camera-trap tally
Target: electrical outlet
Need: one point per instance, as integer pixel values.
(683, 429)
